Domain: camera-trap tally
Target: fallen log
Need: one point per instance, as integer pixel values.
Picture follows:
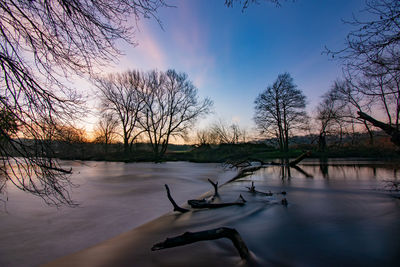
(176, 207)
(252, 189)
(215, 185)
(192, 237)
(300, 158)
(244, 172)
(204, 204)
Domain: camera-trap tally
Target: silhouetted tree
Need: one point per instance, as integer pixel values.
(372, 67)
(330, 114)
(121, 95)
(227, 134)
(352, 101)
(106, 130)
(204, 137)
(41, 42)
(280, 109)
(171, 106)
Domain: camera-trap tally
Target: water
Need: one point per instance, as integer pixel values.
(113, 197)
(337, 215)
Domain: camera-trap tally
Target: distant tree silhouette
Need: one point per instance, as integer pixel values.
(41, 43)
(330, 115)
(280, 109)
(171, 106)
(227, 134)
(106, 130)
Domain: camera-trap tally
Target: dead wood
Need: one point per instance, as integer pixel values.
(176, 207)
(231, 164)
(252, 189)
(391, 185)
(192, 237)
(244, 172)
(204, 204)
(215, 185)
(237, 164)
(300, 158)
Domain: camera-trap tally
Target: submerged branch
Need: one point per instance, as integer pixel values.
(204, 204)
(252, 189)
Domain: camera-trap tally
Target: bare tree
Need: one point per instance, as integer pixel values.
(41, 42)
(204, 137)
(171, 106)
(106, 130)
(352, 100)
(280, 109)
(121, 94)
(330, 115)
(227, 134)
(372, 67)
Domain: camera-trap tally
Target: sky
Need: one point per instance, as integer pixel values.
(232, 56)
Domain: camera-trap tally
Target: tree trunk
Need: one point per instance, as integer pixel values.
(322, 142)
(390, 130)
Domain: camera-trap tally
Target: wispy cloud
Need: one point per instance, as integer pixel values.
(150, 49)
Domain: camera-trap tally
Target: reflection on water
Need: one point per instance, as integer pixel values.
(337, 216)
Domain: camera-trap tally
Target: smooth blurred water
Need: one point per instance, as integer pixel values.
(338, 215)
(114, 198)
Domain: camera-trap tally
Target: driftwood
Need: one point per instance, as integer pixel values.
(294, 162)
(215, 185)
(300, 158)
(244, 172)
(252, 189)
(176, 207)
(243, 163)
(392, 185)
(192, 237)
(237, 164)
(204, 204)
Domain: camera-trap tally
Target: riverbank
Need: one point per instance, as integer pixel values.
(224, 152)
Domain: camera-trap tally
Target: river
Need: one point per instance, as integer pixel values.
(337, 214)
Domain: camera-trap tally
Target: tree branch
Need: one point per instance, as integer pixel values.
(176, 207)
(192, 237)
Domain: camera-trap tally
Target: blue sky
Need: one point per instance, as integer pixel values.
(231, 56)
